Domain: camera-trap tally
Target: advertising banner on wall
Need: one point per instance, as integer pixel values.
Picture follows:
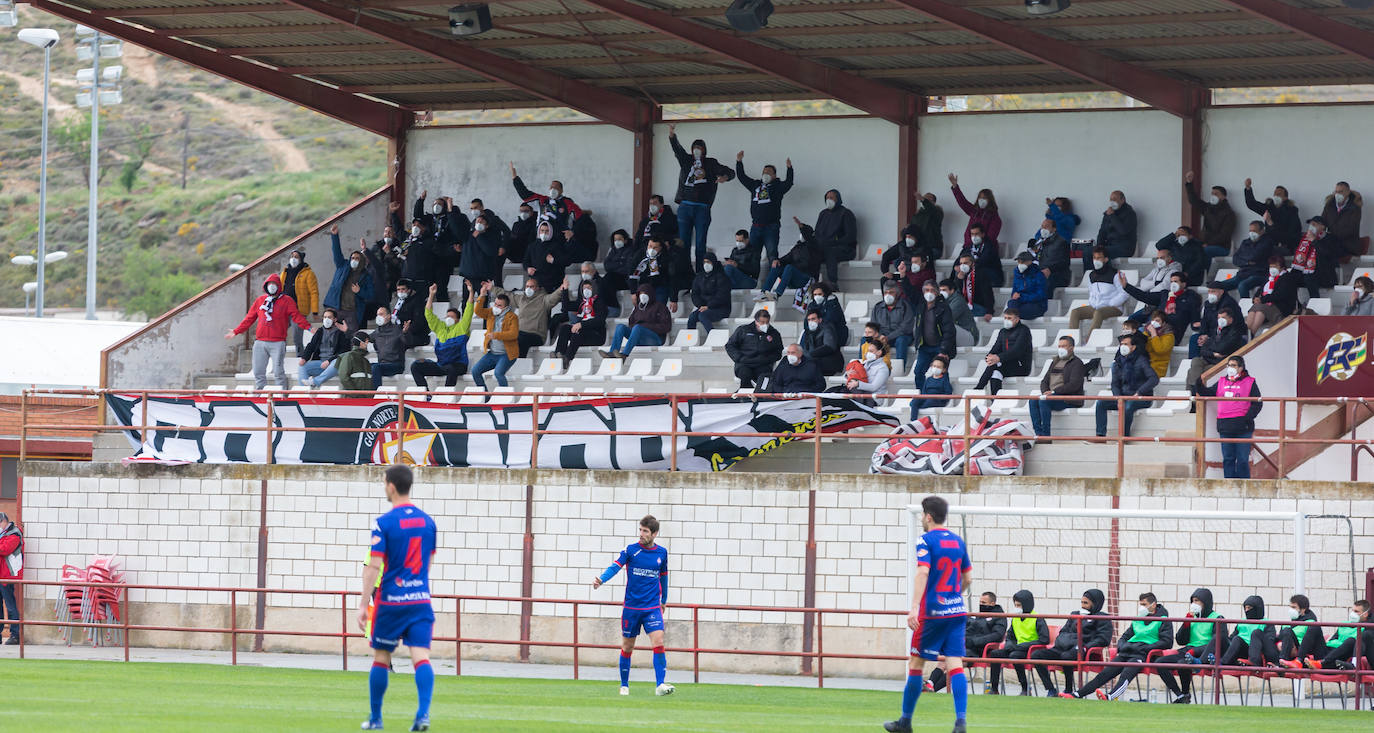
(373, 431)
(1333, 356)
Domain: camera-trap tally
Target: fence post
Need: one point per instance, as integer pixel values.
(233, 626)
(458, 636)
(400, 428)
(816, 468)
(343, 617)
(820, 648)
(124, 621)
(968, 419)
(143, 422)
(1217, 680)
(23, 429)
(672, 448)
(696, 643)
(576, 642)
(534, 436)
(1120, 437)
(271, 417)
(1283, 436)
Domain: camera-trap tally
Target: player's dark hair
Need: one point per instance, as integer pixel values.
(1362, 605)
(936, 507)
(1149, 598)
(649, 523)
(1301, 600)
(991, 595)
(400, 478)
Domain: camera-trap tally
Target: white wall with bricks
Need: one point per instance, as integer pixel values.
(734, 539)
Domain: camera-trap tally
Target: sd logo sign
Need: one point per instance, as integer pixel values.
(1342, 357)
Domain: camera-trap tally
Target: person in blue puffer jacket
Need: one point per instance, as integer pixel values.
(1029, 288)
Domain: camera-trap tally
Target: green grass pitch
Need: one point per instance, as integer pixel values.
(114, 696)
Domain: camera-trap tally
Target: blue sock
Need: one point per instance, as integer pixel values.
(624, 669)
(958, 686)
(660, 664)
(424, 685)
(376, 685)
(914, 682)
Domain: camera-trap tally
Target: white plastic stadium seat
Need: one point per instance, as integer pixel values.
(547, 368)
(856, 310)
(580, 367)
(638, 369)
(669, 368)
(685, 338)
(1320, 306)
(715, 339)
(1167, 409)
(608, 368)
(1358, 273)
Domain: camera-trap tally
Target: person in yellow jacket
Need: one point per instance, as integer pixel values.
(299, 282)
(1159, 344)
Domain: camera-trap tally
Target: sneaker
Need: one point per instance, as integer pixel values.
(13, 641)
(928, 687)
(900, 725)
(1102, 695)
(960, 726)
(1183, 699)
(1051, 692)
(1068, 696)
(420, 724)
(760, 296)
(1291, 663)
(624, 691)
(606, 354)
(372, 725)
(1344, 665)
(664, 689)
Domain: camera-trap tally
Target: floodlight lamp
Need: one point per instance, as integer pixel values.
(27, 260)
(39, 37)
(29, 288)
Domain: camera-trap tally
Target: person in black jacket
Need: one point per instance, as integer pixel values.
(655, 270)
(1218, 218)
(1117, 234)
(928, 223)
(1011, 352)
(1136, 642)
(905, 248)
(987, 262)
(698, 179)
(821, 346)
(975, 289)
(1181, 306)
(824, 301)
(765, 207)
(660, 223)
(1197, 644)
(1230, 334)
(795, 269)
(754, 348)
(1188, 252)
(1278, 298)
(522, 233)
(1074, 640)
(1132, 376)
(680, 274)
(1205, 327)
(742, 264)
(979, 631)
(710, 294)
(544, 259)
(420, 255)
(586, 326)
(482, 253)
(1051, 256)
(837, 232)
(410, 312)
(1282, 215)
(1297, 643)
(558, 210)
(1251, 260)
(1255, 642)
(1022, 634)
(619, 266)
(318, 363)
(796, 373)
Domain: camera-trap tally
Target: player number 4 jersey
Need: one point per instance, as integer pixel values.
(405, 538)
(945, 554)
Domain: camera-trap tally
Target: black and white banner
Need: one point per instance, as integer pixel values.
(373, 431)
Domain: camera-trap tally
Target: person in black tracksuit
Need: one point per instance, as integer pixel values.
(1135, 645)
(754, 348)
(1297, 643)
(710, 294)
(1197, 644)
(837, 231)
(765, 210)
(1253, 641)
(699, 177)
(1022, 634)
(978, 633)
(1074, 640)
(1011, 353)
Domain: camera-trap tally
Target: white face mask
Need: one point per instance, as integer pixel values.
(586, 292)
(1213, 297)
(1181, 239)
(1254, 236)
(1044, 232)
(1157, 324)
(793, 359)
(889, 299)
(1008, 323)
(1144, 609)
(1355, 617)
(1022, 267)
(982, 203)
(545, 236)
(911, 241)
(383, 320)
(1232, 372)
(653, 253)
(327, 322)
(1359, 292)
(1214, 199)
(964, 268)
(450, 321)
(653, 209)
(1062, 352)
(271, 288)
(1017, 606)
(1099, 264)
(479, 227)
(1223, 323)
(354, 264)
(1276, 200)
(813, 325)
(975, 239)
(402, 294)
(529, 292)
(1339, 198)
(1113, 205)
(697, 153)
(1273, 272)
(935, 372)
(767, 178)
(1175, 286)
(945, 294)
(415, 231)
(1161, 262)
(618, 243)
(818, 299)
(498, 309)
(1312, 229)
(929, 295)
(1124, 349)
(437, 209)
(293, 262)
(525, 215)
(643, 298)
(830, 203)
(554, 193)
(474, 213)
(1293, 613)
(707, 267)
(762, 327)
(1195, 609)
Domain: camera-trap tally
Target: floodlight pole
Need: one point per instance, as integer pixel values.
(43, 187)
(91, 217)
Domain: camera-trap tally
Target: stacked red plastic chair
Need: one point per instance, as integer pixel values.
(81, 606)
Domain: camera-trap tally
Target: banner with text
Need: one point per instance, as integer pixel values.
(1333, 356)
(372, 431)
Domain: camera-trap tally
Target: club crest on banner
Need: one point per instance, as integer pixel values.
(413, 446)
(1342, 357)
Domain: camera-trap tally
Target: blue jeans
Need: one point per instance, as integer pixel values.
(978, 310)
(764, 238)
(694, 218)
(1214, 250)
(1194, 351)
(1042, 411)
(1243, 285)
(921, 403)
(385, 369)
(924, 356)
(707, 317)
(739, 280)
(632, 337)
(1132, 407)
(489, 361)
(1235, 457)
(1030, 311)
(312, 369)
(786, 277)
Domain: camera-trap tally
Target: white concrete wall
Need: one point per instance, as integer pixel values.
(1085, 155)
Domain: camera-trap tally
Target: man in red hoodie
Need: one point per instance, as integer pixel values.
(272, 311)
(11, 568)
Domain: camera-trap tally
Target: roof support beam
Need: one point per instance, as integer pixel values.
(1171, 95)
(368, 114)
(1348, 38)
(602, 104)
(878, 99)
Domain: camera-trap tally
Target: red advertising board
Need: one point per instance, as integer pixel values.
(1333, 356)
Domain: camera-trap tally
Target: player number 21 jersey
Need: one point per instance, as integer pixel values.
(405, 538)
(945, 554)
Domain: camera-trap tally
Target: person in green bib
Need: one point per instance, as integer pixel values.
(1023, 632)
(1297, 643)
(1340, 652)
(1197, 644)
(1135, 645)
(1253, 642)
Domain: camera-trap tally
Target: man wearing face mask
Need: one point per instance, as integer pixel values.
(933, 381)
(1106, 293)
(1287, 224)
(501, 345)
(979, 631)
(1117, 234)
(1011, 352)
(1187, 252)
(895, 317)
(586, 324)
(801, 265)
(1361, 298)
(1023, 632)
(1297, 643)
(902, 251)
(1340, 648)
(754, 348)
(796, 373)
(953, 296)
(298, 281)
(699, 176)
(655, 270)
(523, 232)
(1181, 307)
(448, 225)
(620, 267)
(1074, 639)
(649, 325)
(710, 294)
(450, 343)
(532, 306)
(1230, 334)
(983, 249)
(765, 207)
(545, 259)
(1064, 376)
(408, 312)
(931, 327)
(1342, 212)
(384, 262)
(827, 304)
(1277, 299)
(318, 362)
(558, 210)
(975, 288)
(1252, 641)
(482, 252)
(1051, 251)
(1235, 417)
(820, 346)
(837, 232)
(421, 256)
(1157, 279)
(1197, 644)
(927, 223)
(1205, 327)
(350, 288)
(1218, 218)
(1317, 256)
(389, 341)
(659, 222)
(355, 371)
(1132, 376)
(1251, 260)
(742, 264)
(272, 311)
(1142, 637)
(1029, 288)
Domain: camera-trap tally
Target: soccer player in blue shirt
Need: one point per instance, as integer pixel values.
(404, 540)
(646, 596)
(937, 614)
